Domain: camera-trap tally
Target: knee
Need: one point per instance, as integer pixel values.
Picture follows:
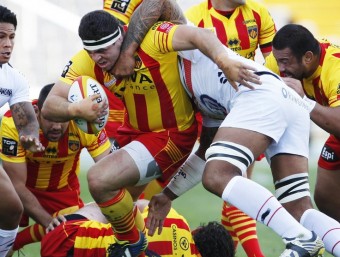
(215, 179)
(93, 180)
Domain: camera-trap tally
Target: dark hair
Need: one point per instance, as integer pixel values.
(43, 94)
(96, 25)
(6, 16)
(297, 38)
(214, 240)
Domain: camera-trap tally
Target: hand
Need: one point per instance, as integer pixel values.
(56, 221)
(159, 208)
(236, 71)
(89, 109)
(295, 84)
(124, 67)
(31, 144)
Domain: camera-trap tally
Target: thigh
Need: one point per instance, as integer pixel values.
(10, 204)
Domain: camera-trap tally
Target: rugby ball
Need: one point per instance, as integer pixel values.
(81, 88)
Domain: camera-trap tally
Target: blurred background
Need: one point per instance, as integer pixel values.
(47, 38)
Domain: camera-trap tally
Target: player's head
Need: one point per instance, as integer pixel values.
(213, 240)
(295, 50)
(53, 131)
(102, 37)
(8, 25)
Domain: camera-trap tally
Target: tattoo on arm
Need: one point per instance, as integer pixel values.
(148, 13)
(25, 119)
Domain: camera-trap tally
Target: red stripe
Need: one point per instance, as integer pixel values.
(242, 31)
(179, 223)
(56, 172)
(99, 74)
(166, 104)
(187, 74)
(220, 30)
(141, 112)
(258, 20)
(161, 247)
(32, 174)
(57, 169)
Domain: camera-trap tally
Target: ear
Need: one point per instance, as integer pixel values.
(36, 109)
(308, 57)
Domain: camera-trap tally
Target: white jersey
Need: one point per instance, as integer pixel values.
(272, 109)
(13, 86)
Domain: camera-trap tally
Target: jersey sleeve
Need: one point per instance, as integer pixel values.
(81, 64)
(95, 144)
(11, 149)
(267, 30)
(159, 39)
(331, 80)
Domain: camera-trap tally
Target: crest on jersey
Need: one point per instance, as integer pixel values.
(73, 145)
(252, 32)
(120, 5)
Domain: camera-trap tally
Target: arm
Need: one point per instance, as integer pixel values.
(57, 108)
(188, 176)
(27, 125)
(18, 175)
(148, 13)
(327, 118)
(188, 38)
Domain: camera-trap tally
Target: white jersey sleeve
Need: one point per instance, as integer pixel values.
(206, 84)
(14, 87)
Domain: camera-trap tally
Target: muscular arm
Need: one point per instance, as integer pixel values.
(327, 118)
(57, 108)
(148, 13)
(189, 37)
(18, 175)
(27, 125)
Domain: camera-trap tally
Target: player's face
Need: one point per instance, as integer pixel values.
(53, 131)
(288, 64)
(106, 57)
(7, 35)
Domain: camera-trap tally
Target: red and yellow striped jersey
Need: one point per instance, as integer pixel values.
(175, 239)
(121, 9)
(249, 26)
(154, 97)
(57, 167)
(92, 238)
(324, 84)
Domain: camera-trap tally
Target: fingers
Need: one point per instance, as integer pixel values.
(56, 221)
(31, 143)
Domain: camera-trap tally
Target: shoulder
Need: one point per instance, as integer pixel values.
(196, 12)
(13, 78)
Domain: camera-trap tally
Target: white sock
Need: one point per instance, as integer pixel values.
(7, 238)
(260, 204)
(325, 227)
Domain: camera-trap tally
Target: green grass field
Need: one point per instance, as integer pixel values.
(199, 206)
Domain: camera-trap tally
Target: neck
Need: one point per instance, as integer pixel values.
(223, 5)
